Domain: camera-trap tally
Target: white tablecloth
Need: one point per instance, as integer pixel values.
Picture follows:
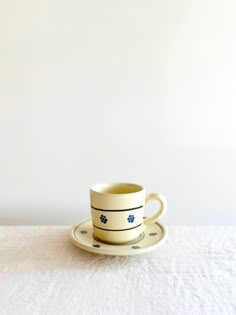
(42, 272)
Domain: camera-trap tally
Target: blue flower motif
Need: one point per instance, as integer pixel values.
(83, 232)
(131, 218)
(153, 234)
(103, 219)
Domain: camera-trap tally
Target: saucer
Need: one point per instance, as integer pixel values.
(153, 236)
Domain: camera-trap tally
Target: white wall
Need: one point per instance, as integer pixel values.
(139, 91)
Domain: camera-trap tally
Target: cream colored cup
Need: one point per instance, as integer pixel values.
(117, 211)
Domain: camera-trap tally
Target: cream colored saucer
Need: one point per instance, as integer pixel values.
(153, 236)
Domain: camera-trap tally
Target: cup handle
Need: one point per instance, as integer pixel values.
(161, 211)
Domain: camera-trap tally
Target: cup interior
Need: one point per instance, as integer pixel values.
(117, 188)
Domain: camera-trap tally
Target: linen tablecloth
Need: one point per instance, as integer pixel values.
(42, 272)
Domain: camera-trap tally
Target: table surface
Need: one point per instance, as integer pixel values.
(42, 272)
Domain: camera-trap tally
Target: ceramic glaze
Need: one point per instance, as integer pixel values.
(117, 211)
(154, 234)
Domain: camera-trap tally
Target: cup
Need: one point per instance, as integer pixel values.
(117, 212)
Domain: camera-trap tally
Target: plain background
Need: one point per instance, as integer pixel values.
(137, 91)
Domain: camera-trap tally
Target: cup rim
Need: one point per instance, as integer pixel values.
(97, 188)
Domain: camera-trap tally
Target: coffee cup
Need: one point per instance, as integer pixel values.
(117, 211)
